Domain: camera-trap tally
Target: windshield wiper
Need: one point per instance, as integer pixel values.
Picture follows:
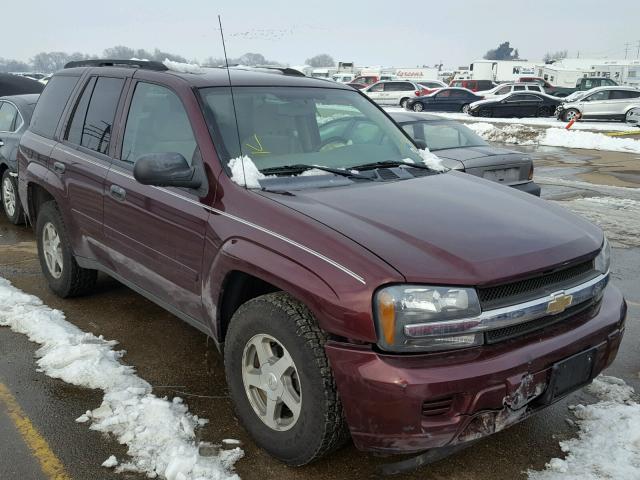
(301, 167)
(389, 163)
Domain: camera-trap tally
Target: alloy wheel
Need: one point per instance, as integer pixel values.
(465, 109)
(9, 197)
(417, 107)
(52, 249)
(271, 382)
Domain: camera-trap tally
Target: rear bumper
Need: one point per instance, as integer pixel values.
(412, 403)
(530, 187)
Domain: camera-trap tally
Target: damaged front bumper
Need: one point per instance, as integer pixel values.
(413, 403)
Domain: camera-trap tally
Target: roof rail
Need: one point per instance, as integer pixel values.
(144, 64)
(270, 69)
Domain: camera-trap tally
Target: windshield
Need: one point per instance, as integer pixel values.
(443, 135)
(280, 126)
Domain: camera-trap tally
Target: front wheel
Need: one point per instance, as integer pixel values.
(465, 108)
(10, 201)
(417, 107)
(570, 114)
(280, 380)
(65, 277)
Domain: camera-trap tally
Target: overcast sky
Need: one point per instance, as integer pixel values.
(370, 32)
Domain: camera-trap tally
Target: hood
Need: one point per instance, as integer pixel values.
(493, 99)
(481, 156)
(451, 228)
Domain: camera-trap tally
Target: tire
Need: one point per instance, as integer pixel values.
(465, 108)
(544, 112)
(485, 112)
(10, 200)
(403, 102)
(417, 107)
(569, 114)
(291, 334)
(64, 276)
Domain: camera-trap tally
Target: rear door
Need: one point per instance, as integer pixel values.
(81, 159)
(10, 121)
(619, 101)
(155, 235)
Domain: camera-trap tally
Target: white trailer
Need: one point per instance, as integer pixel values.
(502, 70)
(561, 77)
(417, 74)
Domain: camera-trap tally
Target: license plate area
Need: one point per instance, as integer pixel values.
(502, 175)
(569, 375)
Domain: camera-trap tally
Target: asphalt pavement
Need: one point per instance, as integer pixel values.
(179, 361)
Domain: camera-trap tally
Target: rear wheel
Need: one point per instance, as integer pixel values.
(403, 102)
(10, 201)
(465, 108)
(65, 277)
(280, 380)
(569, 114)
(417, 107)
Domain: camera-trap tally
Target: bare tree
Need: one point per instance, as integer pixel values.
(321, 60)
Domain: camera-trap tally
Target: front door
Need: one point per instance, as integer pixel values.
(155, 235)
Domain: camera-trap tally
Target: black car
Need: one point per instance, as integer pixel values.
(517, 104)
(15, 116)
(462, 149)
(444, 100)
(18, 85)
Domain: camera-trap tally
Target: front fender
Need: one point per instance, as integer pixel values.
(335, 313)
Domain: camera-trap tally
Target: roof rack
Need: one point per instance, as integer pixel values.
(144, 64)
(270, 69)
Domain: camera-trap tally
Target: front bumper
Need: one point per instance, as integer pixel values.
(412, 403)
(530, 187)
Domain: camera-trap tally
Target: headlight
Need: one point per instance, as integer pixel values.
(603, 260)
(413, 317)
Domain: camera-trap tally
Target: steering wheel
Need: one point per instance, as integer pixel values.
(333, 142)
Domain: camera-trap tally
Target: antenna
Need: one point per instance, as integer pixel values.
(233, 102)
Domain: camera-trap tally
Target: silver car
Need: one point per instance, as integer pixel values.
(601, 103)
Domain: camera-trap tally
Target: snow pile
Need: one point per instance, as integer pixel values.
(245, 173)
(159, 433)
(608, 444)
(619, 217)
(431, 161)
(182, 67)
(553, 137)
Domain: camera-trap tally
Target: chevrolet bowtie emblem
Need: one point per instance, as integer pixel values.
(559, 303)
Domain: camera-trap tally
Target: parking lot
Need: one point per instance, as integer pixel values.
(178, 361)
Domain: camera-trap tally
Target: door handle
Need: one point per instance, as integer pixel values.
(59, 167)
(118, 192)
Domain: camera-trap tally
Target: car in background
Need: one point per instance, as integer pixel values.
(517, 104)
(397, 92)
(343, 77)
(444, 100)
(601, 103)
(473, 85)
(633, 116)
(430, 86)
(18, 85)
(15, 116)
(357, 86)
(460, 148)
(366, 79)
(507, 88)
(582, 84)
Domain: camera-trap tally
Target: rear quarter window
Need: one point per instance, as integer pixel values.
(51, 105)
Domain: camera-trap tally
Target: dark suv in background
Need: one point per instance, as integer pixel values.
(353, 285)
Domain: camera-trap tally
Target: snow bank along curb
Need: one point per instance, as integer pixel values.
(159, 433)
(608, 444)
(554, 137)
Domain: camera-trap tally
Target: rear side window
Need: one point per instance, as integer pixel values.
(157, 123)
(51, 105)
(7, 117)
(620, 94)
(98, 124)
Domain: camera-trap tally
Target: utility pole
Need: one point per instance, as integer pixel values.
(638, 51)
(626, 49)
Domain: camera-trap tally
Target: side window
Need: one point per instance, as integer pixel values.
(503, 90)
(622, 94)
(598, 96)
(96, 133)
(458, 94)
(157, 123)
(519, 88)
(7, 116)
(444, 95)
(75, 127)
(535, 88)
(377, 88)
(51, 104)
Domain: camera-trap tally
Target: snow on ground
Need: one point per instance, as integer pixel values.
(608, 443)
(554, 137)
(159, 433)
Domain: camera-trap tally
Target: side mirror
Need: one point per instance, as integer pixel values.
(165, 170)
(421, 144)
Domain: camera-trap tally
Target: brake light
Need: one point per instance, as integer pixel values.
(419, 92)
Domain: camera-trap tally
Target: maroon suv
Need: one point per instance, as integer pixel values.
(353, 289)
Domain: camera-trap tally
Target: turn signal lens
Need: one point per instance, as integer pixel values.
(387, 316)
